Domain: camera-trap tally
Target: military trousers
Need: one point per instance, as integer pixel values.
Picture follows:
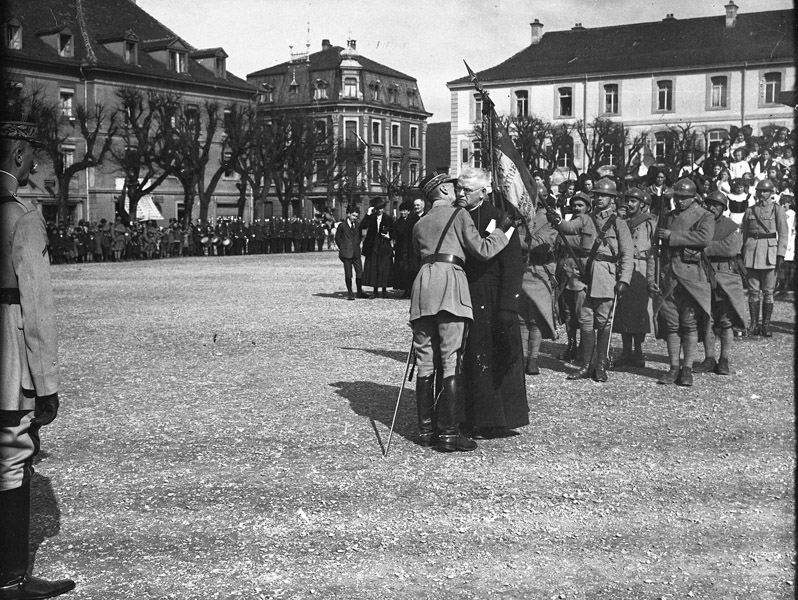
(762, 284)
(19, 443)
(595, 313)
(679, 312)
(439, 340)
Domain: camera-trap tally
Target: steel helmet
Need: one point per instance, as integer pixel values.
(606, 187)
(684, 187)
(584, 197)
(718, 197)
(766, 184)
(639, 194)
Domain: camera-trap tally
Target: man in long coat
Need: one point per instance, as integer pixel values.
(728, 295)
(765, 233)
(493, 369)
(684, 280)
(440, 308)
(606, 249)
(29, 369)
(403, 275)
(634, 309)
(377, 248)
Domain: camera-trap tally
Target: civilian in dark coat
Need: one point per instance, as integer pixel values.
(347, 238)
(377, 247)
(404, 256)
(495, 390)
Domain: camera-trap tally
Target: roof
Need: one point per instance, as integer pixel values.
(670, 44)
(105, 21)
(330, 59)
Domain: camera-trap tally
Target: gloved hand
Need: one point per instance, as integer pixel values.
(653, 289)
(46, 410)
(779, 262)
(553, 217)
(620, 288)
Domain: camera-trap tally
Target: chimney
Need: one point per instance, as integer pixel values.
(731, 14)
(669, 17)
(577, 27)
(325, 44)
(353, 44)
(537, 31)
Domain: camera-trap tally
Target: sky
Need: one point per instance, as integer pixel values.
(426, 39)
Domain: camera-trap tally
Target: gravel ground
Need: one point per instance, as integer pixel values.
(221, 430)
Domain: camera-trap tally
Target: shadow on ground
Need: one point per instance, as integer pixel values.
(45, 515)
(392, 354)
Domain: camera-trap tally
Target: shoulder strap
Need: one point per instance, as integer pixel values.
(446, 229)
(601, 232)
(758, 220)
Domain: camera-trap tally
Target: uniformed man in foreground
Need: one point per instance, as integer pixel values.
(440, 308)
(684, 284)
(29, 375)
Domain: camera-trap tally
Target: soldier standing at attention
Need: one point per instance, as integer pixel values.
(607, 268)
(728, 296)
(440, 308)
(29, 375)
(685, 284)
(765, 232)
(634, 310)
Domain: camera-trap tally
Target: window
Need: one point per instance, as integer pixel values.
(374, 88)
(522, 103)
(376, 132)
(13, 36)
(350, 87)
(772, 88)
(611, 99)
(66, 48)
(221, 67)
(716, 136)
(191, 113)
(395, 137)
(320, 128)
(68, 153)
(227, 158)
(564, 156)
(565, 96)
(611, 154)
(412, 97)
(660, 146)
(477, 110)
(267, 96)
(227, 119)
(66, 100)
(719, 92)
(413, 136)
(350, 134)
(376, 169)
(177, 61)
(413, 173)
(320, 91)
(396, 169)
(131, 53)
(477, 155)
(321, 171)
(393, 94)
(665, 95)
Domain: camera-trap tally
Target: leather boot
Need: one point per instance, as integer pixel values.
(15, 583)
(767, 312)
(706, 366)
(753, 309)
(425, 404)
(569, 353)
(360, 293)
(449, 437)
(349, 294)
(670, 376)
(722, 368)
(602, 347)
(588, 343)
(685, 376)
(532, 366)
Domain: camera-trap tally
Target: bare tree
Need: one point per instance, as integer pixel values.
(264, 144)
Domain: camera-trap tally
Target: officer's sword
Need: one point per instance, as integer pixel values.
(408, 369)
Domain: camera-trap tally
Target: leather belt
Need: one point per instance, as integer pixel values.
(722, 260)
(444, 258)
(9, 295)
(606, 257)
(762, 236)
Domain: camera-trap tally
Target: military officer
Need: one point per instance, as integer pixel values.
(633, 316)
(607, 264)
(29, 376)
(684, 285)
(440, 308)
(765, 235)
(728, 295)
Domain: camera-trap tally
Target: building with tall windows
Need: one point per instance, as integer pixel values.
(711, 73)
(82, 52)
(369, 109)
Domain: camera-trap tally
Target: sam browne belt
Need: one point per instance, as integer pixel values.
(762, 236)
(444, 258)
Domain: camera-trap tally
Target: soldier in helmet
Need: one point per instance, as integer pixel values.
(765, 232)
(684, 283)
(633, 316)
(728, 296)
(607, 259)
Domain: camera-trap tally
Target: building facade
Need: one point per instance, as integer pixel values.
(711, 73)
(83, 52)
(372, 112)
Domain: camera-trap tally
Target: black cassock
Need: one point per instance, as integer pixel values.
(377, 250)
(493, 365)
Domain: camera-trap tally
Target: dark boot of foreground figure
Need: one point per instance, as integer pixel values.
(449, 437)
(425, 404)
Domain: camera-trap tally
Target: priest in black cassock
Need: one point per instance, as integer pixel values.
(493, 366)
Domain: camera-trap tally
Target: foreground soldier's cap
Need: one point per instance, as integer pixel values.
(583, 197)
(684, 187)
(717, 197)
(19, 126)
(433, 180)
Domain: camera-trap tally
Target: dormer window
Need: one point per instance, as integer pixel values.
(177, 61)
(320, 91)
(66, 46)
(393, 94)
(412, 97)
(293, 87)
(131, 53)
(221, 67)
(13, 35)
(267, 95)
(375, 87)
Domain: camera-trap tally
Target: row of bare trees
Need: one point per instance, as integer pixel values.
(147, 136)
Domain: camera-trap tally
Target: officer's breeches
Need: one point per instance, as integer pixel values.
(438, 338)
(761, 282)
(595, 314)
(18, 445)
